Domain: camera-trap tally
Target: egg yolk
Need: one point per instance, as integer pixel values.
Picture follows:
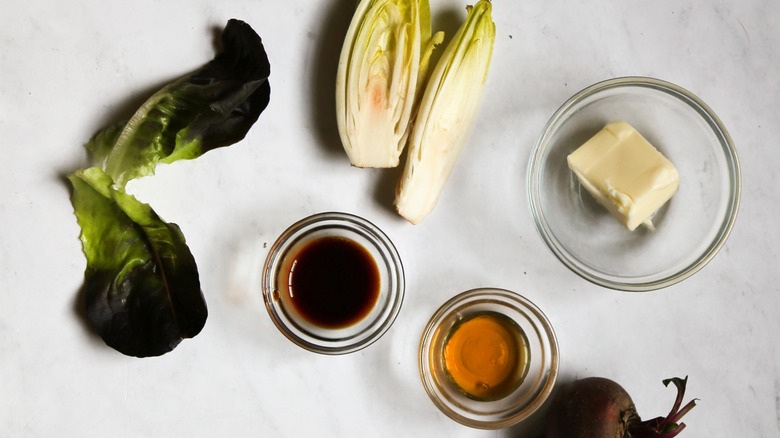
(486, 356)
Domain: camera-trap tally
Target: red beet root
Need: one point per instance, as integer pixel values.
(596, 407)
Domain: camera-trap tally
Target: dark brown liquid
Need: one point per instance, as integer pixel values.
(333, 282)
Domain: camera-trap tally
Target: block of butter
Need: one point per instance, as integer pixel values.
(625, 174)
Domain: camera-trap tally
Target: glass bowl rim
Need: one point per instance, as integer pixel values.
(727, 146)
(377, 238)
(505, 297)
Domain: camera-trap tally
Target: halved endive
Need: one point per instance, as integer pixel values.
(446, 114)
(382, 65)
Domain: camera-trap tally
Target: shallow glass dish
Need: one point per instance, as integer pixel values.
(377, 318)
(541, 368)
(690, 228)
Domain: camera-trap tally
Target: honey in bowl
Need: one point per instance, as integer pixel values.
(486, 356)
(332, 282)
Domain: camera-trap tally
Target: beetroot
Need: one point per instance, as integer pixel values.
(596, 407)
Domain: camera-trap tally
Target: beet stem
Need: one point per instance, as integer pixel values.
(680, 384)
(675, 418)
(666, 427)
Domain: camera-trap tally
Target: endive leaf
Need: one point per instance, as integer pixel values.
(383, 62)
(446, 115)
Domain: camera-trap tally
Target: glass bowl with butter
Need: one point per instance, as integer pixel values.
(488, 358)
(634, 184)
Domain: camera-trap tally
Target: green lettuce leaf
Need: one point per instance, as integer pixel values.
(142, 290)
(210, 108)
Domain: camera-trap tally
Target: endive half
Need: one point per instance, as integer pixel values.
(383, 62)
(446, 114)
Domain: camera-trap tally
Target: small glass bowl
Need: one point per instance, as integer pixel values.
(690, 228)
(327, 340)
(542, 367)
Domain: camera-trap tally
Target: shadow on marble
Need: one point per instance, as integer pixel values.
(329, 39)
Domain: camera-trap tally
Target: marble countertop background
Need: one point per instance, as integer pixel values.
(68, 69)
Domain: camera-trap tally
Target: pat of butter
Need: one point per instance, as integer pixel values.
(625, 174)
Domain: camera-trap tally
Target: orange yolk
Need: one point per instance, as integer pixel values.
(485, 357)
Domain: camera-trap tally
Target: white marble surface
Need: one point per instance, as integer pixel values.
(69, 68)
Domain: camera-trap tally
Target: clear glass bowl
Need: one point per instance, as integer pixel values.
(329, 340)
(691, 227)
(542, 366)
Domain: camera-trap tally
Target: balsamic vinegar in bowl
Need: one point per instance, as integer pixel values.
(333, 283)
